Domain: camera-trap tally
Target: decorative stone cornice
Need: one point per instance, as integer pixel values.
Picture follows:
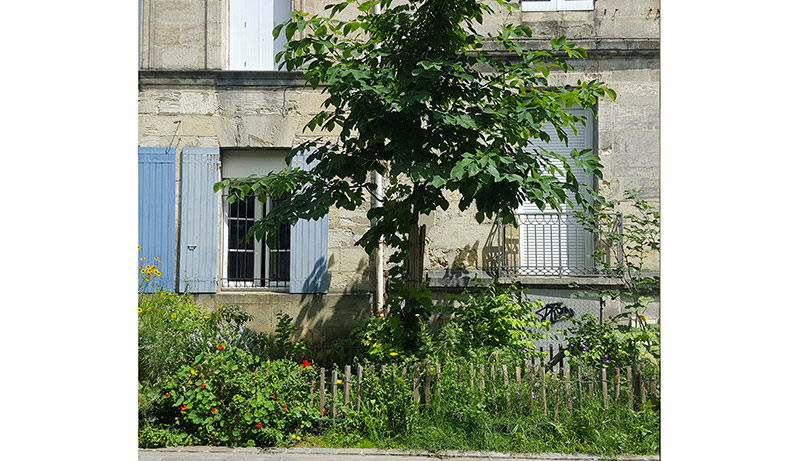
(219, 79)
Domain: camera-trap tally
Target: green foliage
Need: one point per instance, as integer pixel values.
(629, 338)
(226, 395)
(232, 397)
(283, 346)
(173, 330)
(499, 417)
(491, 320)
(206, 378)
(414, 96)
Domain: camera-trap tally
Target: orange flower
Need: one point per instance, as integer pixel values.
(166, 395)
(220, 346)
(258, 426)
(213, 410)
(284, 407)
(305, 363)
(183, 407)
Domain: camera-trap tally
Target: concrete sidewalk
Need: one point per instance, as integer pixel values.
(352, 454)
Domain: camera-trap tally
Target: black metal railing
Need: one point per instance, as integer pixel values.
(552, 244)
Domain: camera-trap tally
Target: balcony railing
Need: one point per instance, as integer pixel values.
(551, 244)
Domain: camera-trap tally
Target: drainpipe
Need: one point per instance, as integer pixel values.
(379, 292)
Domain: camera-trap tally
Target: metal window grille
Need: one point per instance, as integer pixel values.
(550, 244)
(254, 264)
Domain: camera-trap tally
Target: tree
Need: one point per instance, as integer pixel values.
(416, 97)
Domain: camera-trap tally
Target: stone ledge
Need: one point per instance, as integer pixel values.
(220, 79)
(448, 279)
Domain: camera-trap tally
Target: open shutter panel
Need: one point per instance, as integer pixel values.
(251, 42)
(157, 216)
(199, 220)
(308, 266)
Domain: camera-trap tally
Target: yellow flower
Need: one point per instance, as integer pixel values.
(149, 308)
(173, 315)
(157, 272)
(140, 310)
(147, 278)
(156, 258)
(392, 353)
(143, 271)
(142, 259)
(643, 317)
(338, 381)
(140, 247)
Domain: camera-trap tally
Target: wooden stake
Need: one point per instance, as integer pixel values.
(346, 387)
(359, 378)
(334, 390)
(568, 388)
(321, 390)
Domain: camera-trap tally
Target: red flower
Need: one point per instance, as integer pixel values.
(305, 363)
(183, 407)
(202, 385)
(166, 395)
(220, 346)
(324, 411)
(213, 410)
(272, 396)
(258, 426)
(284, 407)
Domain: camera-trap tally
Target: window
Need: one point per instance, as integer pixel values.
(253, 264)
(297, 259)
(557, 5)
(553, 243)
(251, 46)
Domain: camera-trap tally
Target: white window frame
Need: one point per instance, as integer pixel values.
(557, 5)
(241, 164)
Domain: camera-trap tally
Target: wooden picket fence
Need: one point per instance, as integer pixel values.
(526, 387)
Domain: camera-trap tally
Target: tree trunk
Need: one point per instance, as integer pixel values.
(416, 253)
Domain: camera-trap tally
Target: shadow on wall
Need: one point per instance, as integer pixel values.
(320, 318)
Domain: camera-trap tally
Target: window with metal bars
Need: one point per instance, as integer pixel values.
(253, 264)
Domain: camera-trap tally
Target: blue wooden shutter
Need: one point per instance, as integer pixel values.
(308, 266)
(157, 215)
(199, 220)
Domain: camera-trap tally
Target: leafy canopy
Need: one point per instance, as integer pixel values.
(413, 95)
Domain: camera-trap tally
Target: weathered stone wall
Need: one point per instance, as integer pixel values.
(317, 318)
(186, 98)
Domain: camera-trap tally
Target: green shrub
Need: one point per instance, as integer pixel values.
(173, 330)
(492, 321)
(232, 397)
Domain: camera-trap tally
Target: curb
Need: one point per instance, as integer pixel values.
(450, 454)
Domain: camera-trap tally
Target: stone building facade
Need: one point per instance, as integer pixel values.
(206, 93)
